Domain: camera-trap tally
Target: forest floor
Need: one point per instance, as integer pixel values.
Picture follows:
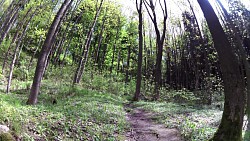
(97, 112)
(144, 129)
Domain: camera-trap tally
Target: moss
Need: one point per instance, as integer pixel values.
(6, 137)
(229, 130)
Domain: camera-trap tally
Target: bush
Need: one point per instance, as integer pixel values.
(108, 83)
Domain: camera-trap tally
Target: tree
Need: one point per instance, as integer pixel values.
(230, 128)
(86, 46)
(159, 41)
(43, 56)
(11, 16)
(18, 49)
(139, 65)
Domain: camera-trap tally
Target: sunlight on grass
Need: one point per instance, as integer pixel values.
(194, 124)
(80, 114)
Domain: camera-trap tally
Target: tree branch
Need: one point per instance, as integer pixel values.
(146, 3)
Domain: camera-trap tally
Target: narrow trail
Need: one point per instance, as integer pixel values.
(144, 129)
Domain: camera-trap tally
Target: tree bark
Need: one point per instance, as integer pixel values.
(17, 48)
(85, 52)
(239, 44)
(139, 65)
(114, 48)
(159, 42)
(11, 18)
(100, 41)
(118, 61)
(230, 128)
(34, 54)
(43, 56)
(128, 65)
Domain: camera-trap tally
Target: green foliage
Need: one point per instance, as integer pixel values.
(1, 79)
(4, 46)
(183, 96)
(180, 96)
(108, 84)
(21, 73)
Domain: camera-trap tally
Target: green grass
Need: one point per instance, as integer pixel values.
(94, 109)
(78, 115)
(195, 124)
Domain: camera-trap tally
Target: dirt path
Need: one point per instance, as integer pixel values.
(144, 129)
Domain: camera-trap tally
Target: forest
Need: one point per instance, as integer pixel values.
(124, 70)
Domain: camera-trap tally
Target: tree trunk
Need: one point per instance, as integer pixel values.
(118, 61)
(238, 43)
(114, 50)
(85, 52)
(159, 42)
(230, 128)
(128, 64)
(71, 37)
(43, 56)
(100, 41)
(12, 65)
(33, 56)
(139, 65)
(11, 18)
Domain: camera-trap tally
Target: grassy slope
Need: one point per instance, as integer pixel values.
(79, 114)
(93, 115)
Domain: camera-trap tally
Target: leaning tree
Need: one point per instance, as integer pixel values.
(230, 128)
(43, 55)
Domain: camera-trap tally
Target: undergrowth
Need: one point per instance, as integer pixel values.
(93, 110)
(66, 114)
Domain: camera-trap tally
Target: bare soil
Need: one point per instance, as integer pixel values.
(144, 129)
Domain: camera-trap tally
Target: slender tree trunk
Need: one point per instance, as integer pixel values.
(8, 53)
(34, 54)
(71, 37)
(13, 40)
(118, 61)
(114, 50)
(104, 55)
(8, 13)
(12, 65)
(85, 52)
(139, 65)
(100, 41)
(7, 27)
(43, 56)
(10, 21)
(230, 128)
(128, 65)
(113, 59)
(159, 42)
(145, 51)
(82, 62)
(59, 49)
